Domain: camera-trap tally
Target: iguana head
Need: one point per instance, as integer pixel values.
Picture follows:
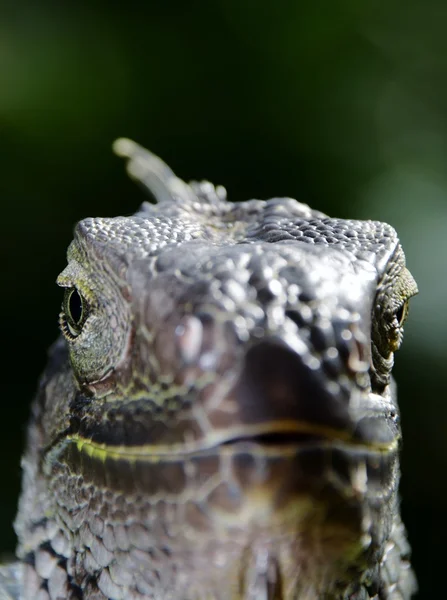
(234, 361)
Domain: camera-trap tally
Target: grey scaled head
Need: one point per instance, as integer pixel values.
(221, 408)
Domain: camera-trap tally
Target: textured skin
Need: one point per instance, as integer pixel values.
(219, 422)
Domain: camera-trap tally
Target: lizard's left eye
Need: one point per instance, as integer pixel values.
(74, 313)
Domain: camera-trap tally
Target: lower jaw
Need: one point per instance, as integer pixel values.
(308, 507)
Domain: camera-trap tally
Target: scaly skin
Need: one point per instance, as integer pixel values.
(218, 420)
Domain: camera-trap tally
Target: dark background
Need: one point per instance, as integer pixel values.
(341, 104)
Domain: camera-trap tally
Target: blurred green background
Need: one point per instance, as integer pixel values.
(341, 104)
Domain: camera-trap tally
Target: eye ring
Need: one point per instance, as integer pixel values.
(75, 310)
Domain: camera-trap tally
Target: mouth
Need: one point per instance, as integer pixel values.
(297, 458)
(305, 436)
(277, 438)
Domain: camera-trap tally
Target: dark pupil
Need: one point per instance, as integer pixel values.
(75, 306)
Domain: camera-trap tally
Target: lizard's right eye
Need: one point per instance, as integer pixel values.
(74, 313)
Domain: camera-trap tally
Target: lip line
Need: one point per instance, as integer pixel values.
(227, 440)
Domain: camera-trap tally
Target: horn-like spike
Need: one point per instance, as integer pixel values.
(154, 174)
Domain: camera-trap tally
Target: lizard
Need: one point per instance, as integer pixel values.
(218, 419)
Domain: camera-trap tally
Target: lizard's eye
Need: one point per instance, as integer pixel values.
(390, 313)
(74, 313)
(395, 328)
(402, 313)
